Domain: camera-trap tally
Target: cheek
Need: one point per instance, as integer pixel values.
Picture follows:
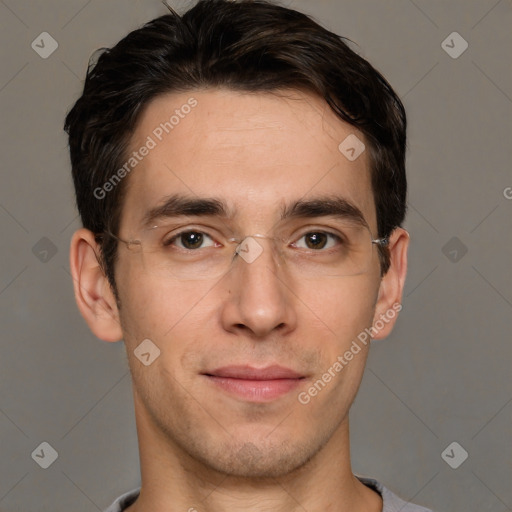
(156, 309)
(343, 307)
(339, 314)
(172, 316)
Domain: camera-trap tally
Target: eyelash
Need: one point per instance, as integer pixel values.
(170, 242)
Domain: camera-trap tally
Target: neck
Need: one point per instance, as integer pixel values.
(174, 481)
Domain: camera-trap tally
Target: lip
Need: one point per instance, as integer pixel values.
(247, 372)
(255, 384)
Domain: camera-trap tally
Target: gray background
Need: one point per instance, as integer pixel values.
(444, 374)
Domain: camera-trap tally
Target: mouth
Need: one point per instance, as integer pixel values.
(253, 384)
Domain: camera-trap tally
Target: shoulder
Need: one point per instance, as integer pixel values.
(124, 501)
(391, 502)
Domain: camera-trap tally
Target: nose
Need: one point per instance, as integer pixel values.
(259, 300)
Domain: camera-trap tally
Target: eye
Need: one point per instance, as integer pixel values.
(317, 240)
(190, 240)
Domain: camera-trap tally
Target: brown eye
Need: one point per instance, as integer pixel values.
(317, 240)
(190, 240)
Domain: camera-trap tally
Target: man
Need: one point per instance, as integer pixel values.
(240, 176)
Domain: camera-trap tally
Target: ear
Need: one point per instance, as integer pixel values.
(391, 286)
(93, 293)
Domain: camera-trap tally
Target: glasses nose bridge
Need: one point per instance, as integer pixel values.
(251, 247)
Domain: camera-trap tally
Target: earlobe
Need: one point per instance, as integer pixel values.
(391, 286)
(93, 294)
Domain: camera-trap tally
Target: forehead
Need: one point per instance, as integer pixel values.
(255, 151)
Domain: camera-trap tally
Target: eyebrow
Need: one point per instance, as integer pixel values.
(324, 206)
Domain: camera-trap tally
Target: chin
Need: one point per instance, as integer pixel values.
(258, 462)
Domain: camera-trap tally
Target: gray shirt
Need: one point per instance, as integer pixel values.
(391, 502)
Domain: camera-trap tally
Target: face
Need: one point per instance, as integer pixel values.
(256, 155)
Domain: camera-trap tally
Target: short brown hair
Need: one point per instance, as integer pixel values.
(246, 45)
